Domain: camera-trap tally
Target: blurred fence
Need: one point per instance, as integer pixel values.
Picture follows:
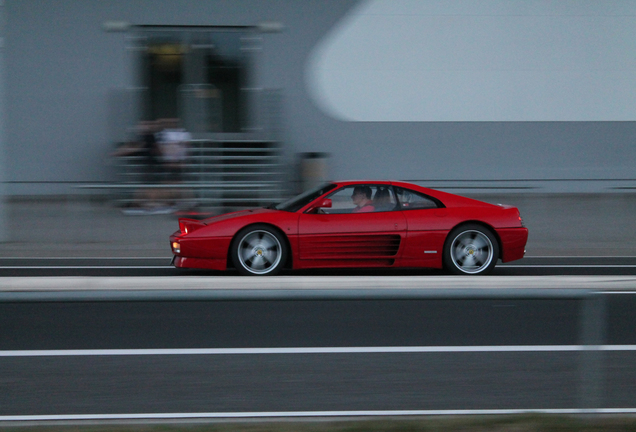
(216, 173)
(221, 169)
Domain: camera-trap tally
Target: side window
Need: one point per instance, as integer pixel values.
(341, 201)
(410, 200)
(362, 199)
(384, 199)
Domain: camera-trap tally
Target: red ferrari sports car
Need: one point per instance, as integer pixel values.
(356, 224)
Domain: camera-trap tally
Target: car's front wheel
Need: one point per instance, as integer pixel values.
(471, 250)
(259, 250)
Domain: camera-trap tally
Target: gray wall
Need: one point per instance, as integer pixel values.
(62, 67)
(3, 207)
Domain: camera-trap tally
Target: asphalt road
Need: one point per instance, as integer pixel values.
(70, 359)
(139, 357)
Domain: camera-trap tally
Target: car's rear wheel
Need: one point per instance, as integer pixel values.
(471, 250)
(259, 250)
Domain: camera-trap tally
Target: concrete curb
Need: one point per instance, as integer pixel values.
(321, 287)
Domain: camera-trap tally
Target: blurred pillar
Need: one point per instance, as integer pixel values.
(3, 176)
(313, 169)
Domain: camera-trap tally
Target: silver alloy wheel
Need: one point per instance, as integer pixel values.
(471, 251)
(259, 252)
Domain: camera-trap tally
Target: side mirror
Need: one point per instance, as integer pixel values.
(326, 203)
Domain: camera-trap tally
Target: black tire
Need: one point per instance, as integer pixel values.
(471, 250)
(259, 250)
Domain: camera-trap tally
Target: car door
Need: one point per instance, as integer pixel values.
(346, 238)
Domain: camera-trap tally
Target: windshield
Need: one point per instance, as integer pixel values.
(296, 203)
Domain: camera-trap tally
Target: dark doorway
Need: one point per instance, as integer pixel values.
(196, 75)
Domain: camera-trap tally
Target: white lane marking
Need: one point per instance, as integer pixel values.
(119, 267)
(319, 350)
(82, 258)
(579, 256)
(291, 414)
(567, 265)
(162, 266)
(83, 267)
(615, 292)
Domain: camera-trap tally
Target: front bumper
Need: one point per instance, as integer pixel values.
(199, 263)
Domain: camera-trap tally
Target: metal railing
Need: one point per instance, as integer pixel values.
(227, 173)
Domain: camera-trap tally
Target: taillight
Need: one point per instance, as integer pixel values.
(521, 220)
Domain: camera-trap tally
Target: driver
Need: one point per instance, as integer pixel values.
(361, 197)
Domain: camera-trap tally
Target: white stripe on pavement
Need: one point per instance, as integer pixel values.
(318, 350)
(566, 265)
(72, 267)
(292, 414)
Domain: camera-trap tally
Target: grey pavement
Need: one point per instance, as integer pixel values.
(74, 227)
(601, 224)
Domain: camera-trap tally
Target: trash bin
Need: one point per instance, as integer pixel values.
(313, 169)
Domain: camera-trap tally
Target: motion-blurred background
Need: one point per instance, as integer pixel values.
(527, 102)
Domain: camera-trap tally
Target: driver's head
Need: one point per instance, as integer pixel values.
(364, 191)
